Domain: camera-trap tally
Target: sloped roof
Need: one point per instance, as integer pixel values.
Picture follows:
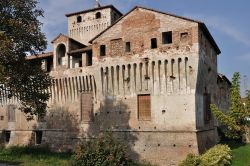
(81, 50)
(94, 9)
(43, 55)
(224, 78)
(201, 25)
(68, 38)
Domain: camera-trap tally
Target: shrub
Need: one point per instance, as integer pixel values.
(219, 155)
(102, 151)
(191, 160)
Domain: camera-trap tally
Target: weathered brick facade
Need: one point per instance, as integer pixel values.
(148, 78)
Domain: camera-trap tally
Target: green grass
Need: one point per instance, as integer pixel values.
(241, 153)
(32, 156)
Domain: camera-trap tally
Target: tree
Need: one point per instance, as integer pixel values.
(21, 36)
(236, 118)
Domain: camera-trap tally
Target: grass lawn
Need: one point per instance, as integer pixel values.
(24, 156)
(241, 154)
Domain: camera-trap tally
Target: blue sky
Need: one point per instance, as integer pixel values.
(227, 20)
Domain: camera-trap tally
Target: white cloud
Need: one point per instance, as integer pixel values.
(224, 26)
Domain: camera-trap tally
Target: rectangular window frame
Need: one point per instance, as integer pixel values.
(167, 37)
(140, 117)
(128, 47)
(154, 43)
(102, 50)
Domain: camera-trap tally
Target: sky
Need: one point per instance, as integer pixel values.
(227, 21)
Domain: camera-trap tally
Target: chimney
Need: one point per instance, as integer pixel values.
(97, 4)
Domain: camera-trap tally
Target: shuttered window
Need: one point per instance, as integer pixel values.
(86, 107)
(144, 107)
(11, 113)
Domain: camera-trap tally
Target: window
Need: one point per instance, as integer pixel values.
(60, 51)
(39, 135)
(7, 136)
(144, 107)
(79, 19)
(128, 48)
(2, 118)
(98, 15)
(102, 50)
(11, 113)
(153, 43)
(86, 107)
(167, 37)
(206, 106)
(80, 63)
(89, 59)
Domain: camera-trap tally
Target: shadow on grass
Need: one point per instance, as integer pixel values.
(233, 144)
(10, 163)
(16, 155)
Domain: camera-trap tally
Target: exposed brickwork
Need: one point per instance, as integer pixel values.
(86, 101)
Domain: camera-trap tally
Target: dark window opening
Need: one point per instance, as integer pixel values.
(206, 104)
(153, 43)
(79, 19)
(2, 118)
(49, 64)
(167, 37)
(7, 136)
(61, 51)
(102, 50)
(128, 47)
(98, 15)
(80, 63)
(144, 107)
(39, 135)
(89, 59)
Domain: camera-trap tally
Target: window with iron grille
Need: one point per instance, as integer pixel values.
(144, 107)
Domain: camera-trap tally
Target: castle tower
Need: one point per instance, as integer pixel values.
(85, 25)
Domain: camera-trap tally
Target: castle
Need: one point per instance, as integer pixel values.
(146, 76)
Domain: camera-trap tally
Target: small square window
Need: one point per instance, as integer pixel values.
(153, 43)
(167, 37)
(128, 47)
(1, 117)
(102, 50)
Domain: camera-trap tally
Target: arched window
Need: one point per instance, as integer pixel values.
(98, 15)
(79, 19)
(60, 52)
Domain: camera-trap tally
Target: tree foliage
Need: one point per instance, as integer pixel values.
(219, 155)
(20, 36)
(236, 118)
(104, 150)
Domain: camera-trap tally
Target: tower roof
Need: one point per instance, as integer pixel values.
(90, 10)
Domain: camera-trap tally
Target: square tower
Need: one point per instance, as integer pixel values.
(85, 25)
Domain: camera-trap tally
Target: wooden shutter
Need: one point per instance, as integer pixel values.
(11, 113)
(144, 107)
(86, 107)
